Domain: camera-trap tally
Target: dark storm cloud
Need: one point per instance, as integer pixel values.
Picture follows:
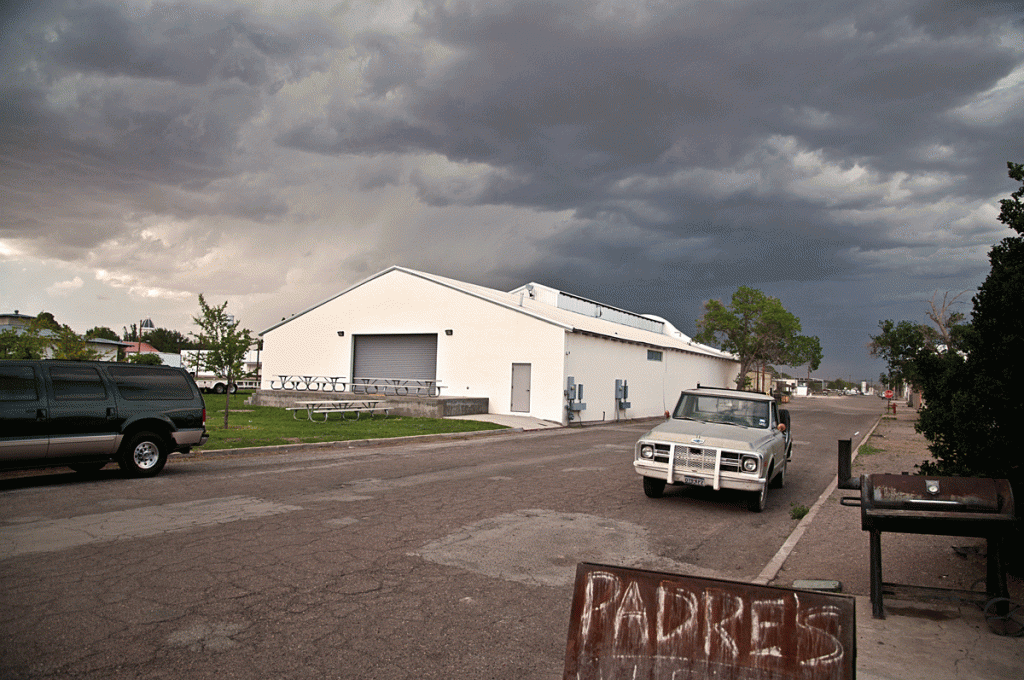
(702, 146)
(649, 155)
(159, 91)
(552, 88)
(568, 103)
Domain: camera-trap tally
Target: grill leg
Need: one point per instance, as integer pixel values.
(877, 607)
(996, 572)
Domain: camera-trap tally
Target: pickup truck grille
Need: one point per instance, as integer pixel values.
(696, 459)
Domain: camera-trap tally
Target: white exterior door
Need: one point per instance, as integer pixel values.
(521, 388)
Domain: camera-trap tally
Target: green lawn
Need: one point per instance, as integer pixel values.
(272, 425)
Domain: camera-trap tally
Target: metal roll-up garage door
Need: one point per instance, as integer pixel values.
(411, 358)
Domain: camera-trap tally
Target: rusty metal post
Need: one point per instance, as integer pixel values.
(846, 480)
(877, 607)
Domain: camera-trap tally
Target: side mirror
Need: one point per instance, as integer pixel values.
(782, 427)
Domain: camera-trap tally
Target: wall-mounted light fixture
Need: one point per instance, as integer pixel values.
(448, 331)
(341, 334)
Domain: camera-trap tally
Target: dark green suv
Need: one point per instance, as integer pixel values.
(85, 414)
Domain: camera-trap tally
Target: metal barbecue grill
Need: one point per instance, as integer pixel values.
(943, 506)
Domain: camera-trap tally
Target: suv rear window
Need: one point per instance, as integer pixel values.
(139, 383)
(17, 383)
(77, 382)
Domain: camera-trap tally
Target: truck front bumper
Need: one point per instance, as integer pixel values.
(726, 480)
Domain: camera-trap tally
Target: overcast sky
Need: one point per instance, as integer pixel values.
(844, 156)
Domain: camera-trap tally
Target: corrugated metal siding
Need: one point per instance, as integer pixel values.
(410, 357)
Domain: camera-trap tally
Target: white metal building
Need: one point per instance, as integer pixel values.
(519, 349)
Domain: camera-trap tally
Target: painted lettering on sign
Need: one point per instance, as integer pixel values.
(635, 624)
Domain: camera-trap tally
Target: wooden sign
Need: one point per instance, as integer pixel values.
(629, 624)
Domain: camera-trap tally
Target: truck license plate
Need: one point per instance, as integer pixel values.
(696, 481)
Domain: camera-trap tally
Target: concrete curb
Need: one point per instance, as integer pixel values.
(771, 570)
(389, 441)
(346, 444)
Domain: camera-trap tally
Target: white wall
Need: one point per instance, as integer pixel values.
(475, 361)
(654, 386)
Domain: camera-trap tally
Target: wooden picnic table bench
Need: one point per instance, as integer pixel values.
(342, 406)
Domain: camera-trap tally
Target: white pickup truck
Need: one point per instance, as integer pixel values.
(718, 438)
(217, 385)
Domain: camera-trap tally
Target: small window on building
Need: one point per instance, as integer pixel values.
(653, 355)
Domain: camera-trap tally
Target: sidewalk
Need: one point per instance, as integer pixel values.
(918, 639)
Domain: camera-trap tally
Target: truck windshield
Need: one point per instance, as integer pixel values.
(728, 410)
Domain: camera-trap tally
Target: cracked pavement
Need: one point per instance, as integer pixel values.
(433, 559)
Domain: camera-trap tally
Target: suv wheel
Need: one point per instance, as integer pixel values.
(759, 500)
(144, 455)
(654, 488)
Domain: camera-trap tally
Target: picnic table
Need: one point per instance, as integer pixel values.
(309, 383)
(396, 386)
(327, 406)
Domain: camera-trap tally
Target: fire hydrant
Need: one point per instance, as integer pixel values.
(894, 408)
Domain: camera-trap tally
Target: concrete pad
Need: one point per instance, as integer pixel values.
(543, 547)
(518, 422)
(949, 641)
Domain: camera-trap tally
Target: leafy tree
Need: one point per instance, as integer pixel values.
(806, 349)
(45, 321)
(971, 383)
(224, 344)
(167, 340)
(147, 359)
(757, 328)
(101, 332)
(22, 343)
(70, 345)
(982, 376)
(840, 384)
(899, 345)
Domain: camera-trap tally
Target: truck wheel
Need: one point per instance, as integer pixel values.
(759, 500)
(218, 388)
(780, 479)
(144, 455)
(654, 488)
(233, 388)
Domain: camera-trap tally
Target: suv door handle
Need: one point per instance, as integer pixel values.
(111, 412)
(40, 414)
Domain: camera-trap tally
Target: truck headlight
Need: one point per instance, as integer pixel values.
(646, 451)
(750, 464)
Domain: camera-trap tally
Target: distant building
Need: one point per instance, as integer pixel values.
(16, 319)
(106, 350)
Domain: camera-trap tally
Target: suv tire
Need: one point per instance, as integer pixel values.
(144, 455)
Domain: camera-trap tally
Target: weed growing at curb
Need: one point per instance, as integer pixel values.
(869, 450)
(798, 511)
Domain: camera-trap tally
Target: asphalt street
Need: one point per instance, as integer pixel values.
(436, 559)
